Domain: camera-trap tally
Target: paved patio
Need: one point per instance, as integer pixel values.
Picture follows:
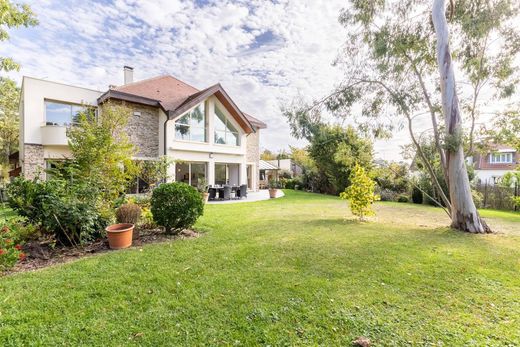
(251, 197)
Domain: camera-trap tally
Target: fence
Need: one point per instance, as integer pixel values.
(498, 197)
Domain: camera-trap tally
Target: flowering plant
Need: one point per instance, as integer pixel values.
(10, 250)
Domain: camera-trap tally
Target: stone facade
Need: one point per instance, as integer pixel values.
(253, 153)
(143, 130)
(33, 162)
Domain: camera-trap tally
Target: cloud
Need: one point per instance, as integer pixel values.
(264, 53)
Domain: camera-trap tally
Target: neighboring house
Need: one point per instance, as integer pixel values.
(490, 167)
(287, 165)
(204, 131)
(268, 172)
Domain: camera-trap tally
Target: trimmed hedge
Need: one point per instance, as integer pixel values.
(176, 206)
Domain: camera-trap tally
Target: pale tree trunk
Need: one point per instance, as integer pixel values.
(464, 214)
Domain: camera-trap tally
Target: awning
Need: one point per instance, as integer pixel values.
(263, 165)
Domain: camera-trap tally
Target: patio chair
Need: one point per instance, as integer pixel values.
(227, 193)
(242, 192)
(212, 193)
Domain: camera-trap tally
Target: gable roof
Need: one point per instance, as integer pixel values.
(176, 97)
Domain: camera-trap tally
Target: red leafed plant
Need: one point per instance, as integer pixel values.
(10, 250)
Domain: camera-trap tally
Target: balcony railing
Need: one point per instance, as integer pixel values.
(54, 135)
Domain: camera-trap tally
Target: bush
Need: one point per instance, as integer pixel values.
(11, 235)
(128, 213)
(293, 183)
(147, 221)
(417, 196)
(478, 198)
(176, 206)
(388, 195)
(65, 208)
(360, 193)
(402, 198)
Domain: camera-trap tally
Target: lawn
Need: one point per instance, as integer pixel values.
(291, 271)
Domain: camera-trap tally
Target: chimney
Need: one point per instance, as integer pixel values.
(129, 74)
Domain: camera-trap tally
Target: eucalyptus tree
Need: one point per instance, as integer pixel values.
(391, 76)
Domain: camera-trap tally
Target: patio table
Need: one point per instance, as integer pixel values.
(220, 191)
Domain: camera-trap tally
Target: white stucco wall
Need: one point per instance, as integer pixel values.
(36, 91)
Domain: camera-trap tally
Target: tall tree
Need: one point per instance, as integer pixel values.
(13, 15)
(464, 214)
(391, 70)
(9, 96)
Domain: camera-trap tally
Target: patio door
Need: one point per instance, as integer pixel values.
(190, 173)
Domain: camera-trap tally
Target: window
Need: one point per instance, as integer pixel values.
(190, 173)
(501, 158)
(62, 114)
(192, 126)
(225, 132)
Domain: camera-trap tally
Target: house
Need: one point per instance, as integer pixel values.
(204, 131)
(268, 172)
(287, 165)
(491, 166)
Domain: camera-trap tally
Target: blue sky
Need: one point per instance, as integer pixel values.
(264, 53)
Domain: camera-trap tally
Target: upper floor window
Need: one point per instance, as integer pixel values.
(501, 158)
(62, 114)
(192, 126)
(225, 132)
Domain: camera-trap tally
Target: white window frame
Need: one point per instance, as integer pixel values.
(190, 126)
(501, 158)
(65, 103)
(226, 129)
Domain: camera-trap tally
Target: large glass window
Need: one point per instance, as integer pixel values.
(190, 173)
(225, 132)
(192, 126)
(501, 158)
(62, 114)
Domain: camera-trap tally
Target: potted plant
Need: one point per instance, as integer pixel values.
(273, 188)
(202, 187)
(120, 235)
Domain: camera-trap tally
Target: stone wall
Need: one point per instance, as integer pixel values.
(33, 162)
(143, 130)
(253, 153)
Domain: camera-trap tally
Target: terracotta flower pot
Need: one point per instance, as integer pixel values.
(272, 192)
(120, 235)
(205, 197)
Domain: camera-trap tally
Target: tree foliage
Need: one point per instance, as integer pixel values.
(102, 150)
(9, 118)
(335, 151)
(360, 193)
(13, 15)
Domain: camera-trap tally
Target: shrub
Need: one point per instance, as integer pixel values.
(66, 208)
(388, 195)
(478, 198)
(147, 221)
(10, 247)
(402, 198)
(417, 196)
(176, 206)
(128, 213)
(360, 193)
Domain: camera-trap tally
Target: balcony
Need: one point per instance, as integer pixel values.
(54, 135)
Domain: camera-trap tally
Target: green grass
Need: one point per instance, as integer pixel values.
(291, 271)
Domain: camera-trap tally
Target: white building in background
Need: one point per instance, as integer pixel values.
(204, 131)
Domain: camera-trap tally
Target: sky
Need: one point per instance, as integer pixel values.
(264, 53)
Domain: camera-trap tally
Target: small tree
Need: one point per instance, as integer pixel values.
(102, 150)
(360, 193)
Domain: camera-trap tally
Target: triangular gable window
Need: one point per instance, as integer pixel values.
(225, 132)
(192, 126)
